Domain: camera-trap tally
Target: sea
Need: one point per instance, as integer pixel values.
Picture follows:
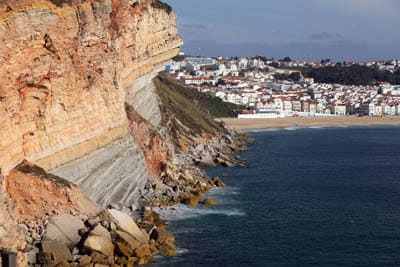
(320, 196)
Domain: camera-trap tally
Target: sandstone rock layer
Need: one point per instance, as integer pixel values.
(66, 72)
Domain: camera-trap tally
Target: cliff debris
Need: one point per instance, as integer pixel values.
(91, 139)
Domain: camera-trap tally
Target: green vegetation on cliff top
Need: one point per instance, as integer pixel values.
(351, 75)
(193, 109)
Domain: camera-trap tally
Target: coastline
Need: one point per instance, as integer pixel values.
(257, 124)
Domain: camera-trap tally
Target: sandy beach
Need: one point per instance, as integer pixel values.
(254, 124)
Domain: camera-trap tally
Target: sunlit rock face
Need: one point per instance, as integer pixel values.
(66, 74)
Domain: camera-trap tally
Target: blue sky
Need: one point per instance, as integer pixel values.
(303, 29)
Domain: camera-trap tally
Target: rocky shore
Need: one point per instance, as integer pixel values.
(183, 180)
(67, 229)
(91, 137)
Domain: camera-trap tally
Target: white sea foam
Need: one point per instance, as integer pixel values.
(182, 212)
(181, 251)
(261, 130)
(318, 127)
(293, 128)
(222, 192)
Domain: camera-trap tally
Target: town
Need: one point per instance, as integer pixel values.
(268, 88)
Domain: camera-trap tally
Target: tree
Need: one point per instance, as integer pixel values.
(286, 59)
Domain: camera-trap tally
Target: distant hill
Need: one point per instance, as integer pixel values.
(351, 75)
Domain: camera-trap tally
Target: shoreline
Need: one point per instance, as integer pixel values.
(281, 123)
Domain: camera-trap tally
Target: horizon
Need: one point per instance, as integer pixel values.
(307, 30)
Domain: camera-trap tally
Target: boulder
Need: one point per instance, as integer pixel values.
(143, 251)
(99, 244)
(168, 249)
(84, 260)
(165, 236)
(124, 250)
(100, 258)
(191, 200)
(64, 228)
(216, 182)
(128, 240)
(126, 224)
(208, 201)
(99, 230)
(57, 250)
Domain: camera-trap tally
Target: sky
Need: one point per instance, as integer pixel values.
(302, 29)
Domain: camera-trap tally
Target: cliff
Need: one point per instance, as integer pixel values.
(66, 75)
(85, 123)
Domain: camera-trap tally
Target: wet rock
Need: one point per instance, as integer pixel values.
(144, 260)
(153, 247)
(191, 200)
(208, 202)
(217, 182)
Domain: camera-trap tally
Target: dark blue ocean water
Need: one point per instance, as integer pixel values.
(308, 197)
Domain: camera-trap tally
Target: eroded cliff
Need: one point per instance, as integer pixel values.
(65, 77)
(81, 109)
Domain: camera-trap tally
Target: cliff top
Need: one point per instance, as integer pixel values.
(9, 5)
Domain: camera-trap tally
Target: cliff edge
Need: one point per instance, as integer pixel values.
(67, 71)
(86, 123)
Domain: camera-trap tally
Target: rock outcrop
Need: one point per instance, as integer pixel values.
(65, 77)
(85, 124)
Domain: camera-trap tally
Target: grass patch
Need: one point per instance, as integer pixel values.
(184, 104)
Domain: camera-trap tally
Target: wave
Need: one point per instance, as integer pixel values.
(293, 128)
(319, 127)
(180, 251)
(223, 191)
(183, 212)
(261, 130)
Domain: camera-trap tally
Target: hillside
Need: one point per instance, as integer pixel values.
(351, 75)
(213, 106)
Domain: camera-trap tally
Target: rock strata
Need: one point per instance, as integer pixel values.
(86, 124)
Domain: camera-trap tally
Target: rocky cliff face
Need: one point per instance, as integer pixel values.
(85, 124)
(66, 75)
